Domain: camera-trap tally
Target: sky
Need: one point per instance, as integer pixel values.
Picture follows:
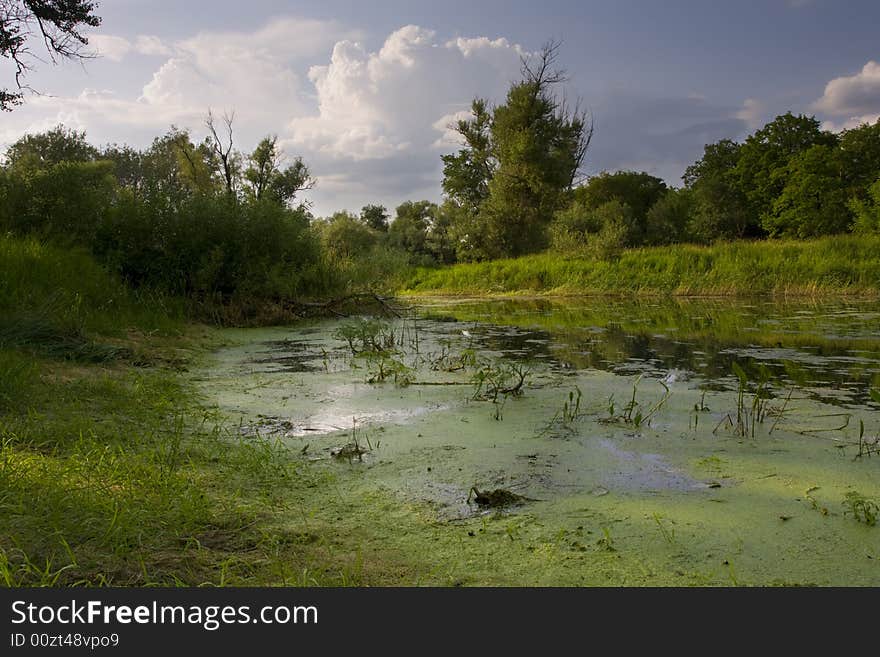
(365, 92)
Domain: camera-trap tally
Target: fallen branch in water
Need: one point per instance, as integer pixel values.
(340, 306)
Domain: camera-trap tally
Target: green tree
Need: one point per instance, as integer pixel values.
(44, 149)
(410, 228)
(867, 210)
(345, 237)
(720, 208)
(813, 201)
(376, 217)
(440, 241)
(639, 190)
(56, 22)
(466, 174)
(762, 163)
(518, 164)
(266, 180)
(859, 155)
(666, 222)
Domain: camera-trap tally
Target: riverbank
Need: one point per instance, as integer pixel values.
(840, 265)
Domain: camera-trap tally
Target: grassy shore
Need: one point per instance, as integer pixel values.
(843, 265)
(112, 472)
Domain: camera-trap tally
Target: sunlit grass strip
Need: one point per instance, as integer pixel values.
(832, 265)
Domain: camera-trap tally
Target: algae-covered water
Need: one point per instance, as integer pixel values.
(654, 442)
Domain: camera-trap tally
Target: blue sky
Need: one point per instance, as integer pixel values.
(364, 90)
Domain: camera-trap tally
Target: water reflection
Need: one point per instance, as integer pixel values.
(831, 350)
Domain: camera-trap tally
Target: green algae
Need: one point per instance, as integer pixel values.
(673, 501)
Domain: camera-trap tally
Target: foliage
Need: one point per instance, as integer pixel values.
(639, 190)
(517, 165)
(410, 228)
(666, 222)
(867, 212)
(720, 207)
(862, 508)
(763, 158)
(813, 200)
(375, 217)
(58, 22)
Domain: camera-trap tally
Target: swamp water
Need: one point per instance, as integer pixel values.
(651, 442)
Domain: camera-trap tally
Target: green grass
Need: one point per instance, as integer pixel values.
(110, 470)
(832, 265)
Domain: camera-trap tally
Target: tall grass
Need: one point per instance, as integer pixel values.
(109, 473)
(57, 301)
(840, 264)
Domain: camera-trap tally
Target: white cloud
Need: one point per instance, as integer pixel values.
(373, 105)
(753, 112)
(853, 99)
(147, 44)
(114, 48)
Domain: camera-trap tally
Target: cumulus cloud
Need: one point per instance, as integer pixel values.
(853, 99)
(117, 48)
(373, 105)
(147, 44)
(113, 48)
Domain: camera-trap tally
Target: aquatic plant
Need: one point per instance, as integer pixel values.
(382, 365)
(867, 446)
(668, 534)
(364, 335)
(750, 412)
(634, 413)
(498, 378)
(606, 542)
(862, 508)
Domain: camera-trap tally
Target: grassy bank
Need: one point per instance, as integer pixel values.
(832, 265)
(111, 470)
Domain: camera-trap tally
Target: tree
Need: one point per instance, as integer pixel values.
(639, 190)
(376, 217)
(466, 174)
(813, 201)
(409, 230)
(720, 207)
(762, 161)
(666, 222)
(859, 155)
(266, 180)
(44, 149)
(518, 164)
(867, 212)
(55, 22)
(345, 237)
(222, 148)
